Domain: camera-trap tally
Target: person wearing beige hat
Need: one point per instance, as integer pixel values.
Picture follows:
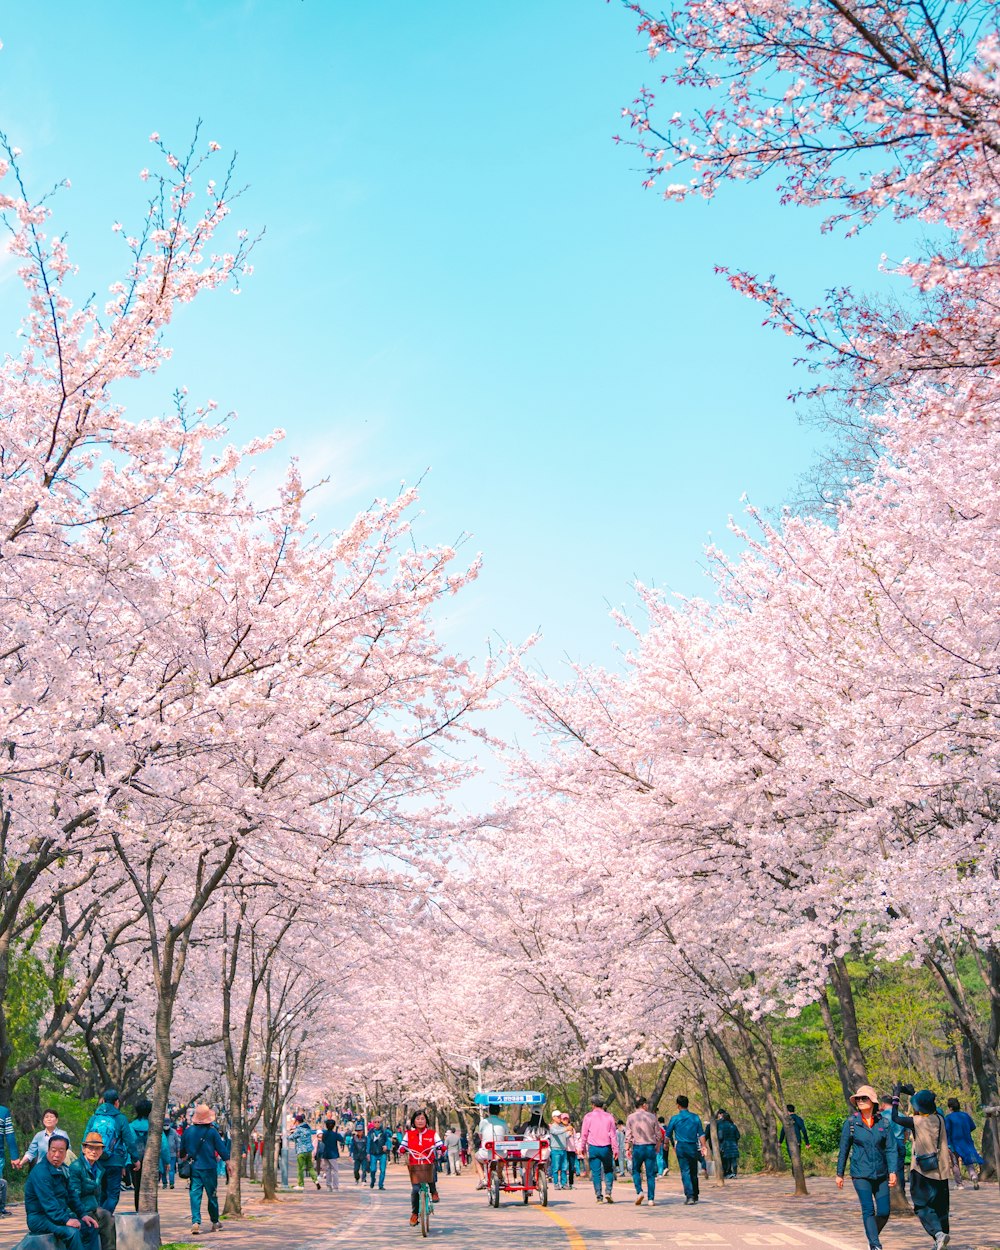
(84, 1175)
(871, 1145)
(203, 1145)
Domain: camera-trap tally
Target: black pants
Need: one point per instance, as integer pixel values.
(571, 1166)
(930, 1202)
(730, 1164)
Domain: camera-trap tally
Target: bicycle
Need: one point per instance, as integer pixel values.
(424, 1208)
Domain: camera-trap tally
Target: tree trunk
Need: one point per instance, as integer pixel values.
(836, 1049)
(149, 1187)
(854, 1058)
(770, 1147)
(711, 1129)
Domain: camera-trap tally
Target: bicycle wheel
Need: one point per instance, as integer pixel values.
(495, 1191)
(425, 1211)
(543, 1189)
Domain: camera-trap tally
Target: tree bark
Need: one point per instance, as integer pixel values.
(854, 1057)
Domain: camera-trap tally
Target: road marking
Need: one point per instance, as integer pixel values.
(770, 1239)
(796, 1228)
(574, 1235)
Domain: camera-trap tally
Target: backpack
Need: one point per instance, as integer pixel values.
(141, 1137)
(107, 1126)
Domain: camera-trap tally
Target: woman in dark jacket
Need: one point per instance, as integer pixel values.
(869, 1141)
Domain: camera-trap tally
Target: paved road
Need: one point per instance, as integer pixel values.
(572, 1221)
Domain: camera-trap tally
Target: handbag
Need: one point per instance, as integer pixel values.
(927, 1163)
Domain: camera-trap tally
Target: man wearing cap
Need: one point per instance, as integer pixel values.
(871, 1144)
(120, 1147)
(85, 1185)
(599, 1144)
(49, 1204)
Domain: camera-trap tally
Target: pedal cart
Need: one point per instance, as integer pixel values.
(515, 1165)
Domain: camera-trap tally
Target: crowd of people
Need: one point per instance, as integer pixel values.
(74, 1198)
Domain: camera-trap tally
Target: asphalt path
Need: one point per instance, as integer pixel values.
(573, 1220)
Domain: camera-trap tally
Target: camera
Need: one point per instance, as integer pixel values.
(909, 1090)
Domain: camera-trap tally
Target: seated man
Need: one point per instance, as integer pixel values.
(85, 1177)
(49, 1203)
(492, 1129)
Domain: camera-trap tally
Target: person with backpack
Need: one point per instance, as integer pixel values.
(202, 1143)
(377, 1147)
(871, 1145)
(120, 1149)
(302, 1139)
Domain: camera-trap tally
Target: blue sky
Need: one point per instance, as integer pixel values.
(460, 273)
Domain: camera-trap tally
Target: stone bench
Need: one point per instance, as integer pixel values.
(37, 1241)
(139, 1231)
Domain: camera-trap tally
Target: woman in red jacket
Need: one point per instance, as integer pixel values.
(419, 1145)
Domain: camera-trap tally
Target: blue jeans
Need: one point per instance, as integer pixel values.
(376, 1164)
(204, 1181)
(644, 1155)
(602, 1165)
(687, 1161)
(82, 1238)
(112, 1186)
(559, 1167)
(874, 1199)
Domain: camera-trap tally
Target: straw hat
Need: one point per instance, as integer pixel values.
(203, 1114)
(865, 1091)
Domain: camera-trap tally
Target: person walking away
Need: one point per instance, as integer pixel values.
(140, 1127)
(599, 1145)
(558, 1138)
(453, 1145)
(960, 1127)
(871, 1145)
(492, 1128)
(930, 1163)
(419, 1145)
(120, 1150)
(49, 1205)
(377, 1144)
(328, 1154)
(358, 1146)
(463, 1142)
(8, 1149)
(801, 1133)
(620, 1134)
(643, 1135)
(302, 1139)
(685, 1130)
(85, 1176)
(729, 1144)
(202, 1143)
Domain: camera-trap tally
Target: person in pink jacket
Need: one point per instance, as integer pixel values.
(599, 1145)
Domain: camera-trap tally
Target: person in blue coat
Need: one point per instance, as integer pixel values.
(869, 1142)
(685, 1130)
(202, 1143)
(959, 1126)
(50, 1206)
(8, 1148)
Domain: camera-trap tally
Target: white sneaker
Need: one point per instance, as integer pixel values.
(652, 1202)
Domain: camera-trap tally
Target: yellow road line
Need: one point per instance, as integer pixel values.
(576, 1241)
